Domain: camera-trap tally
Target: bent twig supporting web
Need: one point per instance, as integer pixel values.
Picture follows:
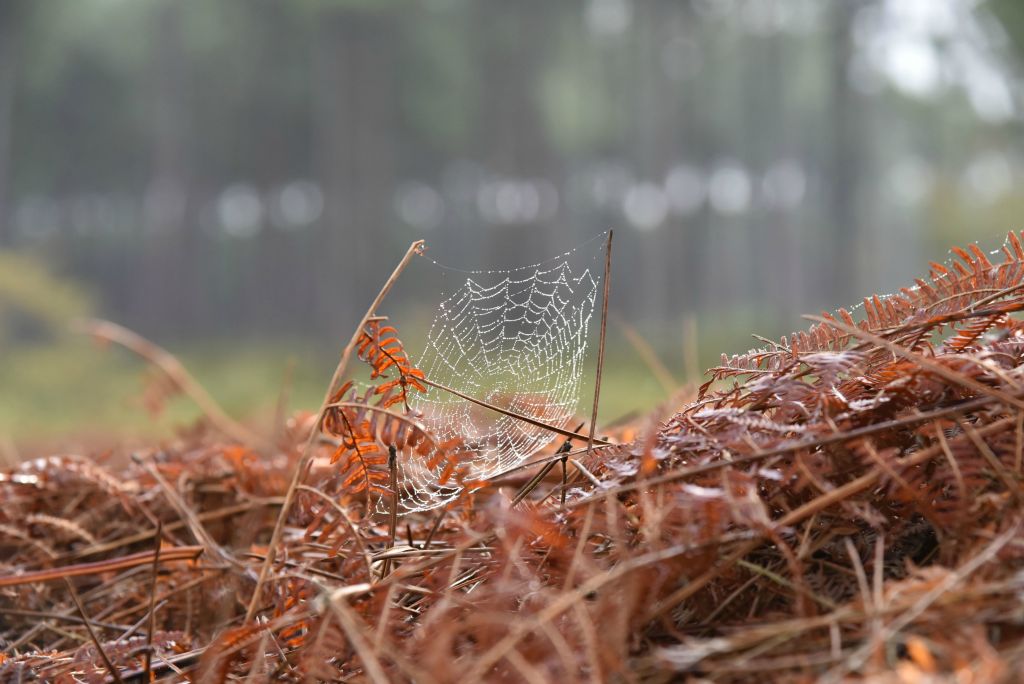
(307, 452)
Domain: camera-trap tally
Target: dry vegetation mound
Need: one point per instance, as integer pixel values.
(845, 503)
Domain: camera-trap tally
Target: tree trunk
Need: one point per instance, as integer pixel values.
(354, 87)
(511, 135)
(168, 288)
(848, 139)
(9, 24)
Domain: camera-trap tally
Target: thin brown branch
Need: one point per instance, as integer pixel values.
(799, 445)
(186, 513)
(176, 372)
(601, 339)
(181, 553)
(512, 414)
(151, 613)
(393, 512)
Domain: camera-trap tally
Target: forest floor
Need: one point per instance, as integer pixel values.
(843, 504)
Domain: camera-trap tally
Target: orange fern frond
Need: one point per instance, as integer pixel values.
(970, 288)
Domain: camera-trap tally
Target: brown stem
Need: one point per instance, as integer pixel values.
(148, 663)
(600, 345)
(513, 414)
(187, 515)
(307, 452)
(534, 481)
(393, 517)
(180, 553)
(92, 633)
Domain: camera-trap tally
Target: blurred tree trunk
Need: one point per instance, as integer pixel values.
(354, 88)
(848, 139)
(774, 236)
(512, 138)
(167, 295)
(10, 16)
(658, 128)
(688, 235)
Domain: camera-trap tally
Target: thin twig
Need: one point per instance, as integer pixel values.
(533, 482)
(225, 512)
(393, 513)
(152, 603)
(92, 633)
(187, 515)
(348, 521)
(565, 479)
(600, 344)
(798, 445)
(435, 527)
(508, 472)
(51, 615)
(856, 660)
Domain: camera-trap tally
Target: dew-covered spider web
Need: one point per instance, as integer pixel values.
(517, 339)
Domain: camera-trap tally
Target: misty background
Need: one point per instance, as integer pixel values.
(236, 179)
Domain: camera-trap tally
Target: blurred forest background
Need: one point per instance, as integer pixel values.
(235, 179)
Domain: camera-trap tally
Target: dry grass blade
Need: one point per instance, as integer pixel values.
(857, 659)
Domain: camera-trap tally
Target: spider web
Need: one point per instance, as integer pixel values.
(516, 339)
